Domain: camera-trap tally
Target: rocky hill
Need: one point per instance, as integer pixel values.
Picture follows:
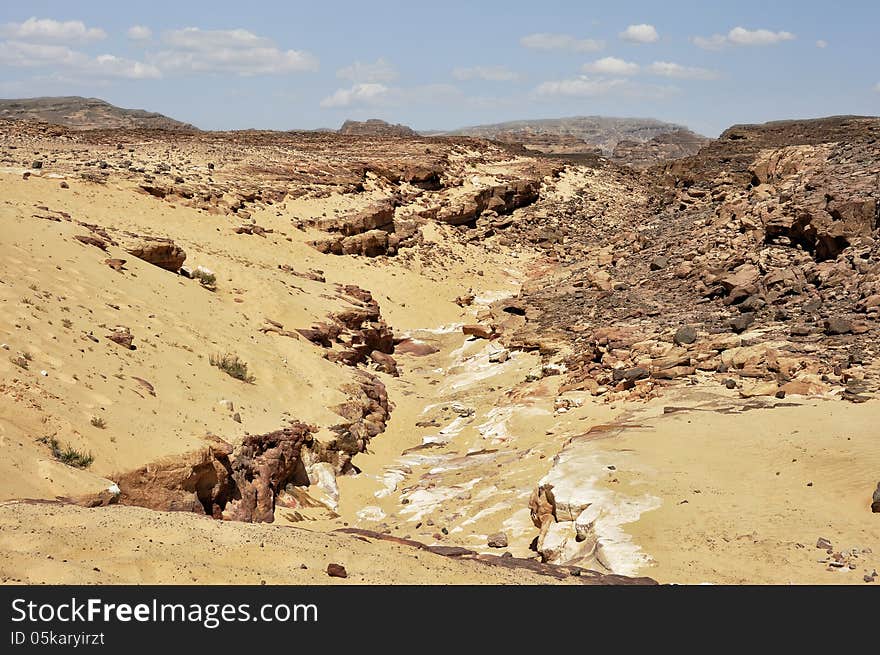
(86, 114)
(375, 127)
(598, 131)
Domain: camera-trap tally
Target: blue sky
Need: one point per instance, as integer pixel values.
(441, 65)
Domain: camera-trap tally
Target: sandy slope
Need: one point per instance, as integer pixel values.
(745, 497)
(138, 546)
(48, 278)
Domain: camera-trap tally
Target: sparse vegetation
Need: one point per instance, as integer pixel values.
(20, 361)
(66, 322)
(98, 422)
(68, 454)
(206, 279)
(232, 366)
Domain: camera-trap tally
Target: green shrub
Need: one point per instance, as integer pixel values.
(68, 455)
(232, 366)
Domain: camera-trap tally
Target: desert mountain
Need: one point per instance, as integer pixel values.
(602, 132)
(375, 127)
(85, 114)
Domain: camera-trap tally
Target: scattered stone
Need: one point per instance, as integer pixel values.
(685, 335)
(631, 374)
(742, 322)
(122, 335)
(823, 544)
(497, 540)
(478, 331)
(837, 325)
(336, 571)
(659, 263)
(499, 357)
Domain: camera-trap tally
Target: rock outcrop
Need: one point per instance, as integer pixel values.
(232, 482)
(160, 252)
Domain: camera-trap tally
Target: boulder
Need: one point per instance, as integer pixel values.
(685, 335)
(497, 540)
(163, 253)
(336, 571)
(837, 325)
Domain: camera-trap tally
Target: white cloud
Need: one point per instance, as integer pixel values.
(58, 57)
(670, 69)
(545, 41)
(585, 86)
(372, 94)
(378, 71)
(742, 36)
(611, 66)
(822, 43)
(48, 30)
(739, 36)
(139, 33)
(238, 52)
(367, 93)
(641, 33)
(581, 86)
(488, 73)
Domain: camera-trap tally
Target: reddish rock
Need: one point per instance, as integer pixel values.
(386, 363)
(116, 264)
(92, 240)
(122, 336)
(336, 571)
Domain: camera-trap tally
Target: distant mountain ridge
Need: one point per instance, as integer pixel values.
(602, 132)
(80, 113)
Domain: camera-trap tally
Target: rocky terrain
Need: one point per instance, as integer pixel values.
(86, 114)
(440, 359)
